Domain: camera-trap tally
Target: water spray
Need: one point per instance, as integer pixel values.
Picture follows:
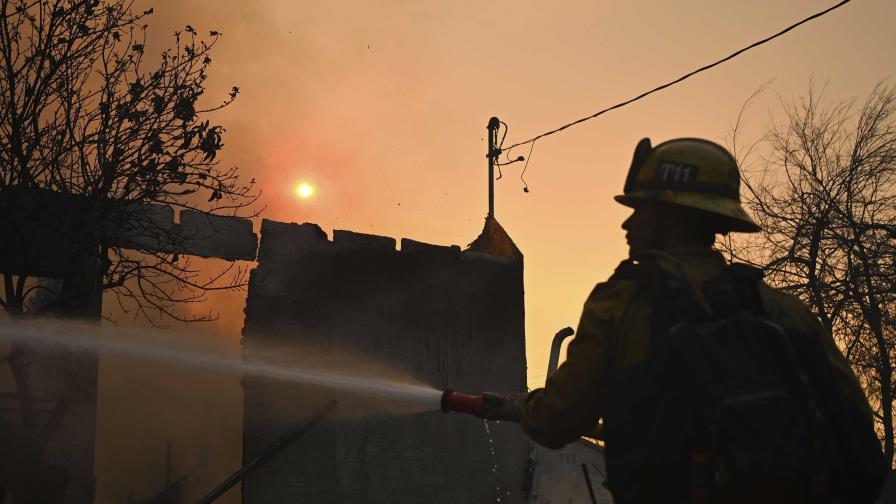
(77, 337)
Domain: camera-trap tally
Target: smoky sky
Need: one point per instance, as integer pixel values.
(382, 106)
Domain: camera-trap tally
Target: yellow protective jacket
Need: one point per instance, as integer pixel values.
(614, 332)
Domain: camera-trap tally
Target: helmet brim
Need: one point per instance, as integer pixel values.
(736, 218)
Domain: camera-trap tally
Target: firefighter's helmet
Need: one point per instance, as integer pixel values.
(689, 172)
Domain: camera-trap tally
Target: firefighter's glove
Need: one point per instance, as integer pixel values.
(502, 407)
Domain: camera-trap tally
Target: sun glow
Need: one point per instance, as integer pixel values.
(304, 190)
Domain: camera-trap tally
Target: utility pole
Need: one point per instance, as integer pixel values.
(493, 124)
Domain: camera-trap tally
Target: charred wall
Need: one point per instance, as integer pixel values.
(444, 316)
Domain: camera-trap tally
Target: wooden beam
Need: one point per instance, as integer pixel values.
(40, 232)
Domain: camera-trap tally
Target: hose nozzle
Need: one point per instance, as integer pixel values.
(461, 403)
(487, 405)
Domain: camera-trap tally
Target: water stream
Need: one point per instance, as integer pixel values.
(100, 341)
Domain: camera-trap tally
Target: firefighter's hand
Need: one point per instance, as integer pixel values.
(503, 407)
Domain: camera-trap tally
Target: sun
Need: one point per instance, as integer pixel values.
(304, 190)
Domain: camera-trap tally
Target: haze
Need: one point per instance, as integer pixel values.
(382, 108)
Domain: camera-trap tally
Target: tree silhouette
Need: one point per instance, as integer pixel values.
(96, 139)
(87, 123)
(824, 192)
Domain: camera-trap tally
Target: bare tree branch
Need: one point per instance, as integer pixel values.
(82, 113)
(826, 200)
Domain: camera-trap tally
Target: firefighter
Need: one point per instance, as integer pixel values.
(683, 193)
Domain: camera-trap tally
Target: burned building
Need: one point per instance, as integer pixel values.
(48, 397)
(446, 317)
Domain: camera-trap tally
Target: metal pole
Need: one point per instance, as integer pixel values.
(269, 452)
(556, 343)
(493, 125)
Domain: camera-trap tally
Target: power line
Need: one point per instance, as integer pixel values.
(683, 77)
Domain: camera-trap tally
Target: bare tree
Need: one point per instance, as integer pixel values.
(89, 125)
(98, 141)
(822, 184)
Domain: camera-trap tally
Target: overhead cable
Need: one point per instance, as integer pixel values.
(683, 77)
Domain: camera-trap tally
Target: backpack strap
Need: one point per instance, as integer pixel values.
(736, 290)
(671, 293)
(627, 270)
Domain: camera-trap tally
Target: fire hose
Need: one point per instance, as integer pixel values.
(491, 406)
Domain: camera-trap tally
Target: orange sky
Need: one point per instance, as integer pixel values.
(383, 106)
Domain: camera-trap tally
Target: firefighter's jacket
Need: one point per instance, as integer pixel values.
(614, 332)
